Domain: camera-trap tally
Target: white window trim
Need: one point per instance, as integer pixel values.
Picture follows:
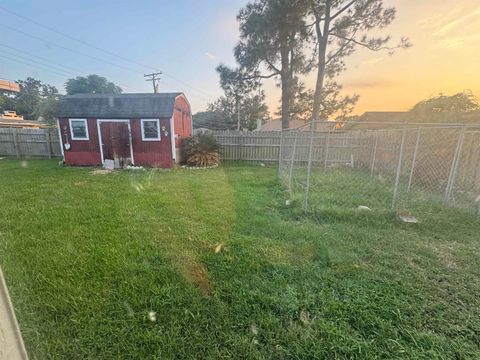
(158, 127)
(86, 129)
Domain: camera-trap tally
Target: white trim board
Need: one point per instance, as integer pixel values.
(159, 130)
(99, 130)
(71, 129)
(60, 137)
(172, 138)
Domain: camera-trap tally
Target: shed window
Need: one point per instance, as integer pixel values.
(150, 130)
(79, 129)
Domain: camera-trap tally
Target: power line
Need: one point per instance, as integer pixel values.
(29, 64)
(46, 67)
(83, 42)
(54, 67)
(68, 49)
(70, 37)
(96, 58)
(69, 68)
(94, 47)
(41, 58)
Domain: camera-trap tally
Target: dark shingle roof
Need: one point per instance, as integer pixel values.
(122, 106)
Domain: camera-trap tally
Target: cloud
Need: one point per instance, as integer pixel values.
(437, 19)
(373, 61)
(367, 84)
(458, 41)
(442, 24)
(452, 24)
(211, 56)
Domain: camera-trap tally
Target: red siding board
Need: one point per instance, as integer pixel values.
(152, 153)
(145, 153)
(82, 152)
(182, 118)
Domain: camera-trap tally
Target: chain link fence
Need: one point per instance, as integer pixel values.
(331, 167)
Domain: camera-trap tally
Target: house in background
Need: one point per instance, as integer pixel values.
(137, 129)
(276, 125)
(10, 119)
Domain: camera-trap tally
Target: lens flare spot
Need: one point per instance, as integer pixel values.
(152, 316)
(218, 248)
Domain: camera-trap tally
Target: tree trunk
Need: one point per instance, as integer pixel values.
(317, 100)
(285, 102)
(286, 82)
(322, 57)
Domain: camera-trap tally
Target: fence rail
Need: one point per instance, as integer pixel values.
(29, 142)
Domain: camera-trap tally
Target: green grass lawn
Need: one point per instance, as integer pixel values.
(211, 264)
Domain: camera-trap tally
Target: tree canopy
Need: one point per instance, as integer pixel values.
(339, 28)
(447, 108)
(288, 39)
(272, 44)
(224, 114)
(91, 84)
(36, 99)
(458, 103)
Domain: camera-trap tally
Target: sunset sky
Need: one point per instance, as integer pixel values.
(187, 39)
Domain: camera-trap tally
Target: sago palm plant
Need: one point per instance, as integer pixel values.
(201, 150)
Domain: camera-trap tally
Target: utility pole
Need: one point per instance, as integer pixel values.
(155, 79)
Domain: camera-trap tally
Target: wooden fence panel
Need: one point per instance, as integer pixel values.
(249, 146)
(264, 146)
(29, 142)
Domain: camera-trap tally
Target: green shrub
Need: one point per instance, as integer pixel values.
(201, 150)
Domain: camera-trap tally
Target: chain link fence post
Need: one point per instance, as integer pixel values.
(280, 155)
(292, 161)
(454, 165)
(461, 139)
(326, 149)
(375, 146)
(309, 165)
(399, 169)
(414, 160)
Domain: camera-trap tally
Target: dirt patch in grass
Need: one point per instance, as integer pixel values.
(100, 172)
(445, 255)
(198, 275)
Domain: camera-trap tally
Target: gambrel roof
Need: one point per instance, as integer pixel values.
(118, 106)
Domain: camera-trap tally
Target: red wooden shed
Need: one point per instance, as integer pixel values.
(136, 129)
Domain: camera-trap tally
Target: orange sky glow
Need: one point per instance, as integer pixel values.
(445, 58)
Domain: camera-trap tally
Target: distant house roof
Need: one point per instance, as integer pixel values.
(122, 106)
(10, 119)
(276, 125)
(9, 86)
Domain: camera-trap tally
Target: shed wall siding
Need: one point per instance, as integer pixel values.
(182, 117)
(82, 152)
(152, 153)
(145, 153)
